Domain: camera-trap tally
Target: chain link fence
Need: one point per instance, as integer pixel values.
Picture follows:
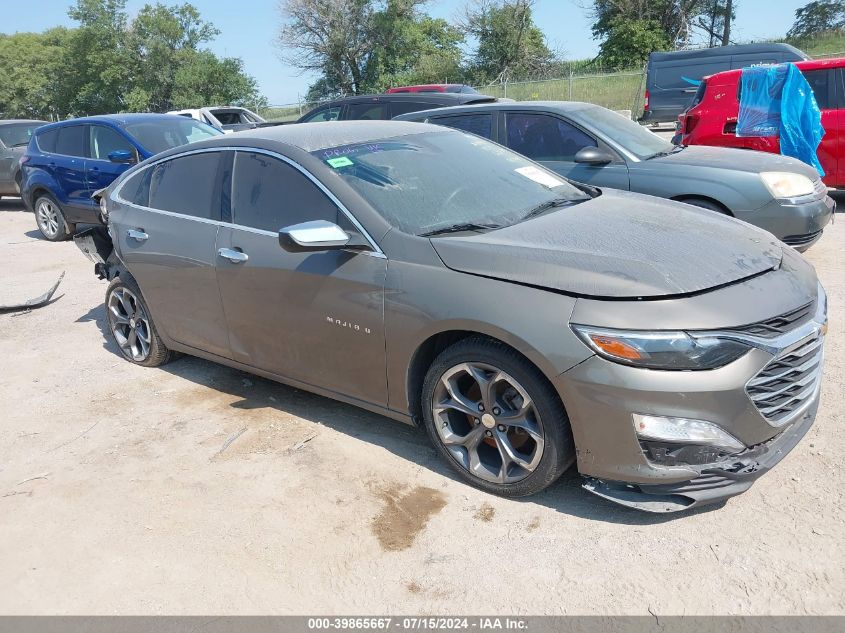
(617, 91)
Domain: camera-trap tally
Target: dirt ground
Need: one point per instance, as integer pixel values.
(196, 489)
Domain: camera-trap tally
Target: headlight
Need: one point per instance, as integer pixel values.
(782, 184)
(661, 350)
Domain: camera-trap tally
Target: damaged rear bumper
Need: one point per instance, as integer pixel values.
(96, 244)
(715, 483)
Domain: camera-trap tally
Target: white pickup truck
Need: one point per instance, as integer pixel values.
(227, 118)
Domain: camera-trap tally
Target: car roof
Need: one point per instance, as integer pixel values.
(119, 120)
(809, 64)
(545, 106)
(311, 137)
(731, 49)
(434, 97)
(19, 121)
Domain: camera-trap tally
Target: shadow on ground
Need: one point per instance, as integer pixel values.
(565, 496)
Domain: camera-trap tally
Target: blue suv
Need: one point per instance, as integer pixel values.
(66, 162)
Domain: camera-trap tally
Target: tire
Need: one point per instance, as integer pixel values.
(50, 219)
(127, 314)
(535, 429)
(706, 204)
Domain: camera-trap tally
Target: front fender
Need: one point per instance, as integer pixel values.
(423, 301)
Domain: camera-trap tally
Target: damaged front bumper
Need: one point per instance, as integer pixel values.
(715, 482)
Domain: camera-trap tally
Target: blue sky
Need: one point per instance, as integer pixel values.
(248, 29)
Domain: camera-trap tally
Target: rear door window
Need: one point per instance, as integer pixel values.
(480, 124)
(104, 140)
(327, 114)
(71, 140)
(47, 140)
(186, 185)
(137, 188)
(544, 137)
(269, 194)
(821, 81)
(367, 112)
(404, 107)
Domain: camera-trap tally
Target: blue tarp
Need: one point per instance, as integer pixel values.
(778, 101)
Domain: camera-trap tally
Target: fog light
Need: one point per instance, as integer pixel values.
(684, 431)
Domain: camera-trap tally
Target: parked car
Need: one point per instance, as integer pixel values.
(673, 353)
(673, 77)
(460, 88)
(14, 137)
(596, 146)
(712, 116)
(387, 106)
(66, 162)
(228, 118)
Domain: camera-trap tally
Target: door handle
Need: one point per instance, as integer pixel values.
(234, 256)
(137, 234)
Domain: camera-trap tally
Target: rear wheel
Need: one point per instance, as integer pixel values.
(496, 419)
(51, 219)
(131, 325)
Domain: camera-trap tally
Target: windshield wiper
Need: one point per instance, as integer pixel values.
(457, 228)
(545, 206)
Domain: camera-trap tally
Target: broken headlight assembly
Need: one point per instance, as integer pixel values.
(661, 350)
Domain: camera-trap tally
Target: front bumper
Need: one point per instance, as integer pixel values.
(601, 396)
(798, 222)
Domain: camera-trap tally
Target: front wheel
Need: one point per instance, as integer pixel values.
(131, 325)
(496, 419)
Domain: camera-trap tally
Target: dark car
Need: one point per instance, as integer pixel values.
(387, 106)
(597, 146)
(672, 78)
(443, 280)
(462, 88)
(66, 162)
(14, 137)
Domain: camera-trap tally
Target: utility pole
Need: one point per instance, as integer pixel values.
(726, 34)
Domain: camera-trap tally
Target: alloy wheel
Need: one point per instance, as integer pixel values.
(48, 218)
(129, 324)
(488, 422)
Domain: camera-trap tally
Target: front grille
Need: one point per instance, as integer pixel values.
(788, 382)
(779, 324)
(801, 240)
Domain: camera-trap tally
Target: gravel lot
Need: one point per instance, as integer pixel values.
(196, 489)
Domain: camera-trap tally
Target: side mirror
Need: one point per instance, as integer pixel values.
(122, 156)
(318, 235)
(593, 156)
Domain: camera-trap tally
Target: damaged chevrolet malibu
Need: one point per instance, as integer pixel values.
(529, 324)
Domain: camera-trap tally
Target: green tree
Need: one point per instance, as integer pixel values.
(206, 80)
(628, 42)
(29, 64)
(509, 43)
(360, 46)
(161, 40)
(95, 65)
(817, 17)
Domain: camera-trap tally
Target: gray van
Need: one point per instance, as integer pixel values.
(673, 77)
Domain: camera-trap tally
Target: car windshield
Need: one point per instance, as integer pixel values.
(629, 134)
(18, 134)
(421, 183)
(166, 133)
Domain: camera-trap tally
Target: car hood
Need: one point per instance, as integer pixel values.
(733, 160)
(618, 245)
